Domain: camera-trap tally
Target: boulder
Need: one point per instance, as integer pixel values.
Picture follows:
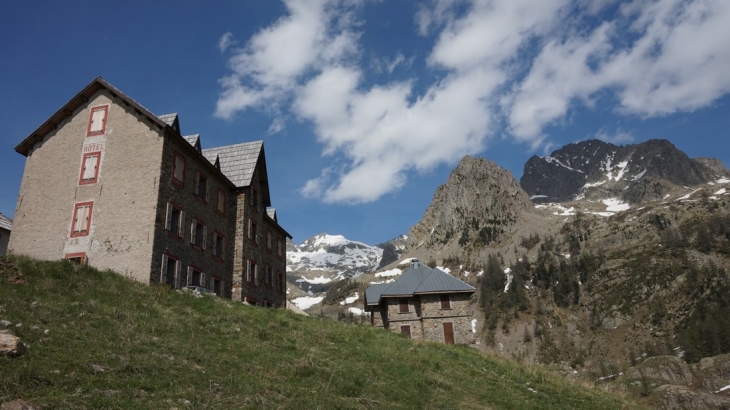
(10, 345)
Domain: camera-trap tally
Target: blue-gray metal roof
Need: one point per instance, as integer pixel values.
(417, 279)
(238, 161)
(373, 292)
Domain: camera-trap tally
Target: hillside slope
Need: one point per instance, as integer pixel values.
(98, 340)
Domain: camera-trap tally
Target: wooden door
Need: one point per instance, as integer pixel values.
(406, 330)
(448, 333)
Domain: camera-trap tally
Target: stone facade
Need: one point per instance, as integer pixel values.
(426, 317)
(131, 197)
(424, 304)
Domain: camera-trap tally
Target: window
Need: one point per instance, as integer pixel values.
(253, 199)
(282, 282)
(198, 234)
(170, 271)
(195, 276)
(406, 331)
(445, 302)
(201, 186)
(178, 169)
(269, 278)
(220, 206)
(251, 301)
(82, 219)
(79, 258)
(269, 240)
(174, 219)
(279, 248)
(90, 168)
(403, 308)
(251, 273)
(252, 231)
(97, 121)
(217, 285)
(218, 245)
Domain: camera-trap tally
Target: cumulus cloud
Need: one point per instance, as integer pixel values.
(225, 41)
(677, 60)
(495, 66)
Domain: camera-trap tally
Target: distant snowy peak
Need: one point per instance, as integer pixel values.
(598, 170)
(342, 257)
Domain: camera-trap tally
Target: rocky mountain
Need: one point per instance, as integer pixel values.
(628, 261)
(480, 205)
(633, 173)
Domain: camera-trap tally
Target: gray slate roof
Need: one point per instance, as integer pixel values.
(168, 119)
(6, 223)
(417, 279)
(237, 161)
(271, 212)
(193, 140)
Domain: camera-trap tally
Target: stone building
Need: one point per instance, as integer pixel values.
(424, 304)
(108, 183)
(6, 226)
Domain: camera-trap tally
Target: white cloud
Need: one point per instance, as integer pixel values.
(519, 61)
(677, 61)
(617, 138)
(276, 126)
(225, 41)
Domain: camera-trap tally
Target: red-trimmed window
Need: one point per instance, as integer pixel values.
(251, 273)
(79, 257)
(81, 222)
(279, 248)
(253, 199)
(198, 234)
(201, 186)
(220, 205)
(97, 120)
(90, 168)
(174, 219)
(253, 234)
(178, 169)
(269, 240)
(170, 270)
(445, 302)
(219, 245)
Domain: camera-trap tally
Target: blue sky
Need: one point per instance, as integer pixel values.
(366, 106)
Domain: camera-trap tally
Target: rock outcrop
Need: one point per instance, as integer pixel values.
(10, 345)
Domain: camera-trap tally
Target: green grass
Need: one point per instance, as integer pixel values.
(115, 343)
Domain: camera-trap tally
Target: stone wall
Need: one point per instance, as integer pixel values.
(257, 250)
(426, 317)
(124, 198)
(195, 208)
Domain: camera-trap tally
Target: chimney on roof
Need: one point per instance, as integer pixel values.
(414, 262)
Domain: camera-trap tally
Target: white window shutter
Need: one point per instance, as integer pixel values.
(205, 237)
(190, 276)
(181, 224)
(176, 282)
(163, 270)
(192, 231)
(223, 247)
(202, 280)
(178, 269)
(97, 120)
(90, 164)
(168, 217)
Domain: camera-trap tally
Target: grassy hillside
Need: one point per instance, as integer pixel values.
(98, 340)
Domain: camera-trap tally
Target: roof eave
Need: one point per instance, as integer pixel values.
(79, 99)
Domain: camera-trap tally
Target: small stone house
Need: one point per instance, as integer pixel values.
(424, 304)
(6, 226)
(110, 184)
